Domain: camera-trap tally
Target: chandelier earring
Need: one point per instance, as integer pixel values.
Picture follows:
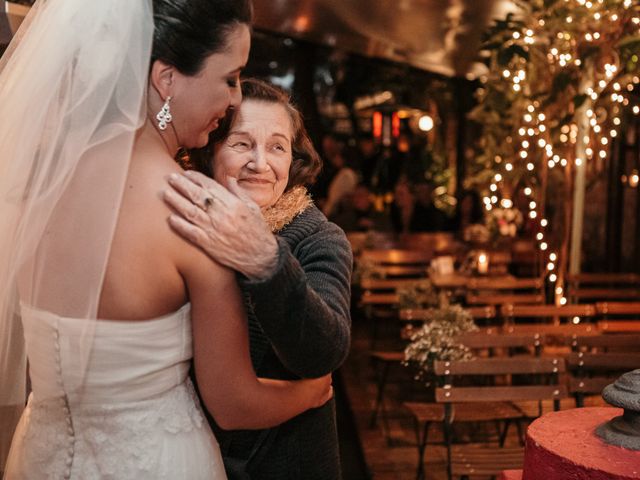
(164, 115)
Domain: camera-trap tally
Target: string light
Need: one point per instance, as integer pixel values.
(535, 144)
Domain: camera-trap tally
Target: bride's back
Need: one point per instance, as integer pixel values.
(143, 278)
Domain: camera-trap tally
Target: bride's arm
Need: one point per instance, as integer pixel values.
(227, 382)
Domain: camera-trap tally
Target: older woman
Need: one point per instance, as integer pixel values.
(295, 271)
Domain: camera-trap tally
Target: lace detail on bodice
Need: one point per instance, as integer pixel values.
(111, 441)
(136, 415)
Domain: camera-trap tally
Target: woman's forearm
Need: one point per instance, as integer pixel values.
(267, 403)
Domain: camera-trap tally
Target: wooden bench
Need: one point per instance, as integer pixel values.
(591, 372)
(490, 460)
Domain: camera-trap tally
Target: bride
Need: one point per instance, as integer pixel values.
(96, 99)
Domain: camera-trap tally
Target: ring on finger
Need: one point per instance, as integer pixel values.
(208, 202)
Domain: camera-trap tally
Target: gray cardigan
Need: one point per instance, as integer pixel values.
(299, 326)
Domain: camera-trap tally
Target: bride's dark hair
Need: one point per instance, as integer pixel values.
(188, 31)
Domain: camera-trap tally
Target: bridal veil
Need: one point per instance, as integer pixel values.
(72, 95)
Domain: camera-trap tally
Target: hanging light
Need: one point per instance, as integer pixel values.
(425, 123)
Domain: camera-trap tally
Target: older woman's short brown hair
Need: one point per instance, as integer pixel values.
(305, 163)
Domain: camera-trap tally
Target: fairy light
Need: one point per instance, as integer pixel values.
(536, 143)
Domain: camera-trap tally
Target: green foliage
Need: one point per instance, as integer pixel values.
(560, 50)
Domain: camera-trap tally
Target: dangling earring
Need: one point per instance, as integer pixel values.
(164, 115)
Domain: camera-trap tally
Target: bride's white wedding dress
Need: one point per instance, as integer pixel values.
(138, 417)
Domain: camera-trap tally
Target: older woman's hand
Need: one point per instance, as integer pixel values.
(226, 224)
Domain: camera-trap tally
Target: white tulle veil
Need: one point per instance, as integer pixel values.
(72, 95)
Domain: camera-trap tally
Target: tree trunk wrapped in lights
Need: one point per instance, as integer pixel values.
(563, 81)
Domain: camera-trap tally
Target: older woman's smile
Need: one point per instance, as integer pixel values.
(257, 181)
(257, 151)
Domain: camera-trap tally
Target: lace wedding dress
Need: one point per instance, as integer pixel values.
(138, 417)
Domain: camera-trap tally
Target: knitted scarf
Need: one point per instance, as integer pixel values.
(288, 206)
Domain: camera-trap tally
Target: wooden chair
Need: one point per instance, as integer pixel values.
(464, 461)
(509, 284)
(504, 299)
(592, 287)
(603, 279)
(501, 291)
(425, 414)
(554, 321)
(380, 301)
(484, 314)
(487, 342)
(384, 360)
(618, 316)
(399, 263)
(435, 243)
(580, 295)
(591, 372)
(603, 343)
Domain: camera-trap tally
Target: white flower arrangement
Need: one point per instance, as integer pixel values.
(437, 339)
(504, 222)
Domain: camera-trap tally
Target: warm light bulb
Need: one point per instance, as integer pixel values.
(425, 123)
